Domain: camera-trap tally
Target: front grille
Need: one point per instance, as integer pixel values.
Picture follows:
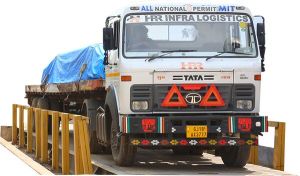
(244, 91)
(161, 91)
(155, 94)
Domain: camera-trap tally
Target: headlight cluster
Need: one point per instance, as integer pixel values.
(244, 104)
(139, 105)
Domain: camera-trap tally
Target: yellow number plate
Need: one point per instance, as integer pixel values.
(196, 131)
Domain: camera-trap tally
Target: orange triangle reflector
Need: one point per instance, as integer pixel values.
(218, 102)
(167, 101)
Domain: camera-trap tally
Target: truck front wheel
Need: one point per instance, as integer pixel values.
(236, 156)
(123, 153)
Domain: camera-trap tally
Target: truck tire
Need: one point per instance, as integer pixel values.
(43, 103)
(187, 151)
(122, 152)
(55, 106)
(236, 156)
(34, 105)
(90, 110)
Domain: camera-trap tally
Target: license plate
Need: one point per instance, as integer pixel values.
(196, 131)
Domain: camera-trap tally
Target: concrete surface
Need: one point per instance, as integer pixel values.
(12, 165)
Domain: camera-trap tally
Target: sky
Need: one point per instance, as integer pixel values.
(33, 32)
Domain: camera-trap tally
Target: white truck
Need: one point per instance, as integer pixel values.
(181, 77)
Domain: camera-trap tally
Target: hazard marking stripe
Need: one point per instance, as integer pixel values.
(229, 124)
(158, 125)
(128, 124)
(123, 125)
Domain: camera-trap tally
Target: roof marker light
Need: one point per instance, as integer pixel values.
(134, 8)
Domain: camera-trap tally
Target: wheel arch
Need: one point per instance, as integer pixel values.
(111, 104)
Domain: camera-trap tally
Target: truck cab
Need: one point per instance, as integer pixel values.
(183, 77)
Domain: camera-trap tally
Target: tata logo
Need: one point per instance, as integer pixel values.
(193, 98)
(193, 77)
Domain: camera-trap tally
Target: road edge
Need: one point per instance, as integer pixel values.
(26, 159)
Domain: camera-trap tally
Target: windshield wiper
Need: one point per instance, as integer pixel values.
(167, 52)
(223, 52)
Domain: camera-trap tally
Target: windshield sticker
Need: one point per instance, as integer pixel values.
(189, 8)
(187, 18)
(243, 25)
(133, 19)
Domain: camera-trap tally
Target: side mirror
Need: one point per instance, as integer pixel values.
(259, 25)
(108, 38)
(261, 33)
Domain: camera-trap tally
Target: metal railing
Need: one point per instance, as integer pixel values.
(82, 156)
(279, 146)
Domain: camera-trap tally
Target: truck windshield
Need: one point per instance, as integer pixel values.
(147, 35)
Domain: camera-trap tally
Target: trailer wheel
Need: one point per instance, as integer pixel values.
(123, 153)
(43, 103)
(55, 105)
(187, 151)
(236, 156)
(34, 105)
(90, 110)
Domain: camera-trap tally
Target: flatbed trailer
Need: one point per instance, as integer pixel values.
(68, 91)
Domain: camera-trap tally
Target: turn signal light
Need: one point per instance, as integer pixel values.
(257, 77)
(126, 78)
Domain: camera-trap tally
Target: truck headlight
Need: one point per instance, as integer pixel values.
(139, 105)
(244, 104)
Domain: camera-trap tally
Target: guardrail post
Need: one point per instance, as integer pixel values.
(14, 124)
(85, 147)
(37, 116)
(65, 144)
(29, 130)
(77, 152)
(21, 127)
(55, 141)
(253, 159)
(44, 136)
(279, 145)
(87, 143)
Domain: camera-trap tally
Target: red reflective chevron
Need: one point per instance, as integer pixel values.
(219, 100)
(179, 103)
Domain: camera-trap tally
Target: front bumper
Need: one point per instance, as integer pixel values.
(170, 142)
(151, 130)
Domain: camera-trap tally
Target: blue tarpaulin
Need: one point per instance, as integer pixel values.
(66, 67)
